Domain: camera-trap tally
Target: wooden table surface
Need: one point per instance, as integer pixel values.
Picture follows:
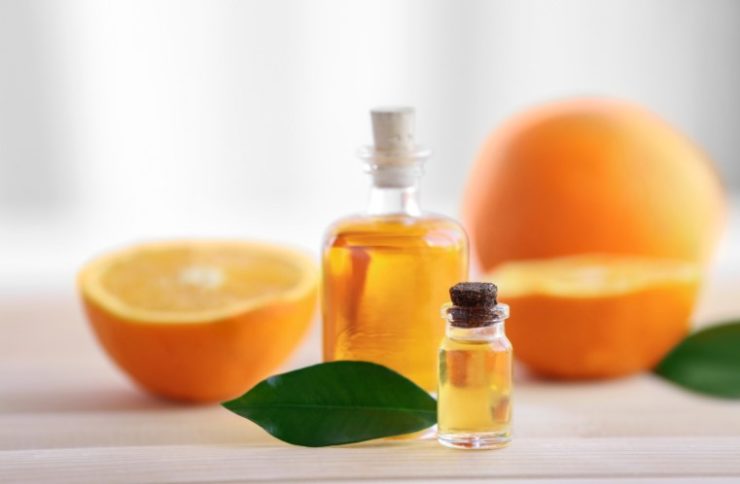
(68, 415)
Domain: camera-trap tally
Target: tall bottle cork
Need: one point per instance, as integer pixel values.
(393, 131)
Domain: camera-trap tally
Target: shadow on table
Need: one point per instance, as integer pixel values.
(84, 400)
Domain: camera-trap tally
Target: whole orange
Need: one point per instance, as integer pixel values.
(591, 175)
(200, 320)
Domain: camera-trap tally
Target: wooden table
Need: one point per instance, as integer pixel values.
(67, 415)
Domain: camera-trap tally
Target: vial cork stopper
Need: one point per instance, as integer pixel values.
(393, 129)
(473, 304)
(474, 294)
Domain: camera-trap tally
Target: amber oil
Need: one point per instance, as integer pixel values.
(383, 278)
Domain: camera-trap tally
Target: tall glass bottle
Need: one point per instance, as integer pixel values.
(386, 272)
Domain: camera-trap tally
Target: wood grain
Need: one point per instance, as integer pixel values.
(526, 458)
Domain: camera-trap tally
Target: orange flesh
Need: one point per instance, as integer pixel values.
(196, 279)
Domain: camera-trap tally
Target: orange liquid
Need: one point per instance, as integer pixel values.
(385, 279)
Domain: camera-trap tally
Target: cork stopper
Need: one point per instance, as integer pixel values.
(470, 294)
(394, 160)
(393, 130)
(473, 304)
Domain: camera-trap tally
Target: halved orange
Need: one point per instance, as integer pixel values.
(200, 320)
(596, 316)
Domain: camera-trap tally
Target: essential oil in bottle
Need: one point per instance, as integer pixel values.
(475, 361)
(387, 270)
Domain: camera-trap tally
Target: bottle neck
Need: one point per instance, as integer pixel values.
(481, 333)
(475, 323)
(395, 180)
(386, 200)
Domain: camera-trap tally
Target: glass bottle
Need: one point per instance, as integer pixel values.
(386, 272)
(475, 365)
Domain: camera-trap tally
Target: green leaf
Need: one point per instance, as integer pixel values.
(337, 403)
(707, 361)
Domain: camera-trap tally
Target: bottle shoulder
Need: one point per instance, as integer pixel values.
(395, 222)
(432, 228)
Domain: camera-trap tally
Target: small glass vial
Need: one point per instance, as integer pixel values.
(475, 365)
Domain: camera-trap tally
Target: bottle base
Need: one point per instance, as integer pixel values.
(475, 441)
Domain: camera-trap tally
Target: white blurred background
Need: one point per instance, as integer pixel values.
(123, 121)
